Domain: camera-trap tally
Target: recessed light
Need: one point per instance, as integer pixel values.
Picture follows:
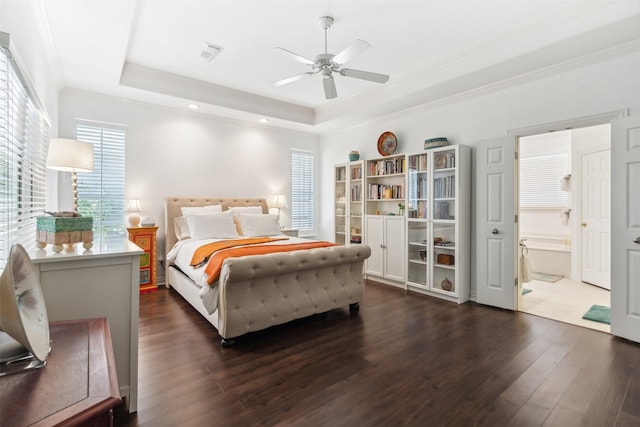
(193, 106)
(263, 120)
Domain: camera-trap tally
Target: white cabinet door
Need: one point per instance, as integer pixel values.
(495, 223)
(625, 235)
(374, 229)
(394, 247)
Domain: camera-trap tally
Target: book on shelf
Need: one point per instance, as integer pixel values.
(387, 167)
(444, 187)
(383, 191)
(356, 173)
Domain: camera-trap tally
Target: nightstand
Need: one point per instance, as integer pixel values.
(290, 232)
(145, 237)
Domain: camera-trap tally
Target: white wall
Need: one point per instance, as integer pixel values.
(578, 92)
(183, 153)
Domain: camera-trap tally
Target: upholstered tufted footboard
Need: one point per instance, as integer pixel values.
(265, 290)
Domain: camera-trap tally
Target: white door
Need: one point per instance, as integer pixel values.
(374, 229)
(596, 223)
(495, 223)
(394, 248)
(625, 230)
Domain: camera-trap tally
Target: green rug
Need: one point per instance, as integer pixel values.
(598, 313)
(525, 291)
(545, 277)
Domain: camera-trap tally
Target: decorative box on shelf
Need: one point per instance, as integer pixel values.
(58, 231)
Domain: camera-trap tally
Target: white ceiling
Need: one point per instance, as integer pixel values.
(150, 50)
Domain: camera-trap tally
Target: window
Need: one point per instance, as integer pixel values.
(302, 192)
(23, 157)
(101, 192)
(540, 178)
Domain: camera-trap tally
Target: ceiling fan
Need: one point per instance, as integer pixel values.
(327, 63)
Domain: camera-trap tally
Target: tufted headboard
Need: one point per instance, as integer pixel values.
(172, 210)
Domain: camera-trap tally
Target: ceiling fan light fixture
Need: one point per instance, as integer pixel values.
(211, 52)
(327, 63)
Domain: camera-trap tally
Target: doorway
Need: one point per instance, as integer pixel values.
(564, 223)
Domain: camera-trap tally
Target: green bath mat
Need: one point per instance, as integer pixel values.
(546, 277)
(598, 313)
(525, 291)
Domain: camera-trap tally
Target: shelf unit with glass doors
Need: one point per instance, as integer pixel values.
(418, 256)
(355, 206)
(340, 203)
(438, 222)
(348, 202)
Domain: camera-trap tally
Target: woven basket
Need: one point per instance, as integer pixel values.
(435, 142)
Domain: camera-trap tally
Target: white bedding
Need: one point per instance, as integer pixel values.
(181, 254)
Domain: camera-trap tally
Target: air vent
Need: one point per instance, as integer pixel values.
(210, 52)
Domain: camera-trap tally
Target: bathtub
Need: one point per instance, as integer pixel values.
(549, 254)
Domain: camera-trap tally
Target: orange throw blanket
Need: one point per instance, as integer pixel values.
(217, 259)
(202, 254)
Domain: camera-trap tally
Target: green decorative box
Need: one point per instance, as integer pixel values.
(53, 224)
(64, 230)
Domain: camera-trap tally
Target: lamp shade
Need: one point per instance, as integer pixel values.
(134, 206)
(279, 201)
(69, 155)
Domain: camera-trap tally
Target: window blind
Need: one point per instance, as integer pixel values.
(23, 156)
(540, 178)
(302, 191)
(101, 192)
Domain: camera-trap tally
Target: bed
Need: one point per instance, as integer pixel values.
(259, 291)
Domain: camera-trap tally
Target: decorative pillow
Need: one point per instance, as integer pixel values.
(201, 210)
(181, 227)
(235, 210)
(254, 225)
(211, 226)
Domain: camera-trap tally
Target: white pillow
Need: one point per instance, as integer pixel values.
(255, 225)
(181, 227)
(201, 210)
(246, 209)
(212, 226)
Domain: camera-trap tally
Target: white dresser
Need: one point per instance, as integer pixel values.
(100, 282)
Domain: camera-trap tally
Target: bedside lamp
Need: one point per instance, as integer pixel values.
(279, 201)
(133, 208)
(69, 155)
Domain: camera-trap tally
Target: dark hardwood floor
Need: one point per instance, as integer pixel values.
(405, 359)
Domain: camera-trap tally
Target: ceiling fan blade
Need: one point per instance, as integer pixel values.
(291, 79)
(351, 51)
(295, 56)
(365, 75)
(329, 87)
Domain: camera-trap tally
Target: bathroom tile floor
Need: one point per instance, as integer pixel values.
(565, 300)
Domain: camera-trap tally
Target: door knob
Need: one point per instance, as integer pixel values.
(495, 231)
(637, 240)
(584, 224)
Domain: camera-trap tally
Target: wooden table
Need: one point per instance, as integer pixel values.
(78, 385)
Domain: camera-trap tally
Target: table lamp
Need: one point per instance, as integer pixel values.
(69, 155)
(279, 201)
(133, 208)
